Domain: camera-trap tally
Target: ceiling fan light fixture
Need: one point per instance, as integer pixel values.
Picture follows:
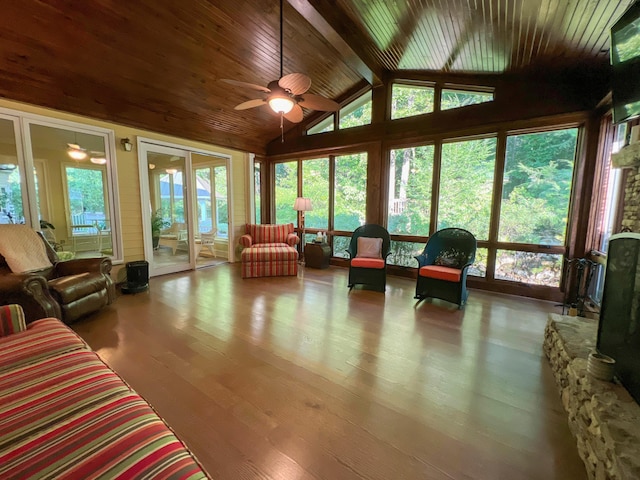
(281, 104)
(76, 151)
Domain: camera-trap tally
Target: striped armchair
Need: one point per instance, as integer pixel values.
(269, 251)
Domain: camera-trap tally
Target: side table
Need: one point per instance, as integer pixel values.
(317, 255)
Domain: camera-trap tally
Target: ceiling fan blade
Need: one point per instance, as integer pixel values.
(250, 104)
(295, 115)
(253, 86)
(318, 102)
(296, 83)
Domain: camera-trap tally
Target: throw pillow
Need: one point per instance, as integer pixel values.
(11, 320)
(369, 247)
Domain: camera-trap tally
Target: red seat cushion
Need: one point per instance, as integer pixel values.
(441, 273)
(362, 262)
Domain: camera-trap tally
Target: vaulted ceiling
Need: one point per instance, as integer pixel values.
(157, 64)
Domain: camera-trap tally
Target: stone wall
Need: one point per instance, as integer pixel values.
(603, 417)
(631, 207)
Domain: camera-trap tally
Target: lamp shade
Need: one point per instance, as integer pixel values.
(280, 104)
(302, 204)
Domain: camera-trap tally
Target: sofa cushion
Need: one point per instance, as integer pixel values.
(269, 269)
(269, 252)
(440, 273)
(269, 233)
(42, 339)
(367, 263)
(11, 320)
(72, 287)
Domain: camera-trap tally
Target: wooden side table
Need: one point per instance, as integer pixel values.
(317, 255)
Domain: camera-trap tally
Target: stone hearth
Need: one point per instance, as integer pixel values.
(603, 417)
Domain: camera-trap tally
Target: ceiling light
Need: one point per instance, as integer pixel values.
(152, 166)
(281, 104)
(98, 160)
(171, 171)
(76, 151)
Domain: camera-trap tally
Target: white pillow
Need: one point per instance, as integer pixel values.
(369, 247)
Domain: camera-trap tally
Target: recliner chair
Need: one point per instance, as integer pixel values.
(66, 290)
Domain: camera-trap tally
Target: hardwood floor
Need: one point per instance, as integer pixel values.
(296, 378)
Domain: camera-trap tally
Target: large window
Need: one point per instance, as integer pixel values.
(350, 187)
(315, 185)
(410, 183)
(537, 186)
(257, 192)
(456, 98)
(356, 113)
(286, 191)
(410, 100)
(466, 185)
(11, 209)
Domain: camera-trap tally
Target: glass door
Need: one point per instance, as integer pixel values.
(168, 230)
(211, 209)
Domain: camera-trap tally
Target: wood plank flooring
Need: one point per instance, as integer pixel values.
(296, 378)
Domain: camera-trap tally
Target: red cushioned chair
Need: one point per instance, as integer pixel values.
(369, 265)
(443, 265)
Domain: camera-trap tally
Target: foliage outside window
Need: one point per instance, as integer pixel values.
(286, 191)
(402, 253)
(350, 191)
(356, 113)
(479, 267)
(340, 245)
(410, 181)
(411, 100)
(538, 174)
(315, 185)
(222, 209)
(85, 195)
(529, 267)
(323, 126)
(466, 185)
(451, 98)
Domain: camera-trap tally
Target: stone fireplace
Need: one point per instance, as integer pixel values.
(603, 417)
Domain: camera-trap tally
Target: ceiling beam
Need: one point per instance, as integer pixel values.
(331, 24)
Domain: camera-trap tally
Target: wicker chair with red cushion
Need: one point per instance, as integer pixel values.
(269, 251)
(443, 266)
(369, 248)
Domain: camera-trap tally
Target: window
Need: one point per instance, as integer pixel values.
(538, 173)
(350, 191)
(453, 98)
(315, 185)
(222, 209)
(356, 113)
(410, 100)
(74, 196)
(323, 126)
(410, 182)
(466, 185)
(286, 191)
(257, 192)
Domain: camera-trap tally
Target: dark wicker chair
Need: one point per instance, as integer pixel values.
(369, 271)
(443, 266)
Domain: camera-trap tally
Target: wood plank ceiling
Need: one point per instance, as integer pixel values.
(157, 64)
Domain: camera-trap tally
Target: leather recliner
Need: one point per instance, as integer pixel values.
(66, 290)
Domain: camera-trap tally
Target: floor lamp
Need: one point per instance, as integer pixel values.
(302, 204)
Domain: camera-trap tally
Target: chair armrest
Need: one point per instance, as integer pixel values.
(292, 239)
(31, 292)
(83, 265)
(246, 240)
(11, 320)
(423, 260)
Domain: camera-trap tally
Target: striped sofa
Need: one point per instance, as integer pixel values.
(65, 414)
(269, 250)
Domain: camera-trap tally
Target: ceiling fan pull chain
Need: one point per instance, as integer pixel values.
(282, 127)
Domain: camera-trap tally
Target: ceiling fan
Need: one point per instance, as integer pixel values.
(287, 95)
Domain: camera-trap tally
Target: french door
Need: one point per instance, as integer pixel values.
(167, 208)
